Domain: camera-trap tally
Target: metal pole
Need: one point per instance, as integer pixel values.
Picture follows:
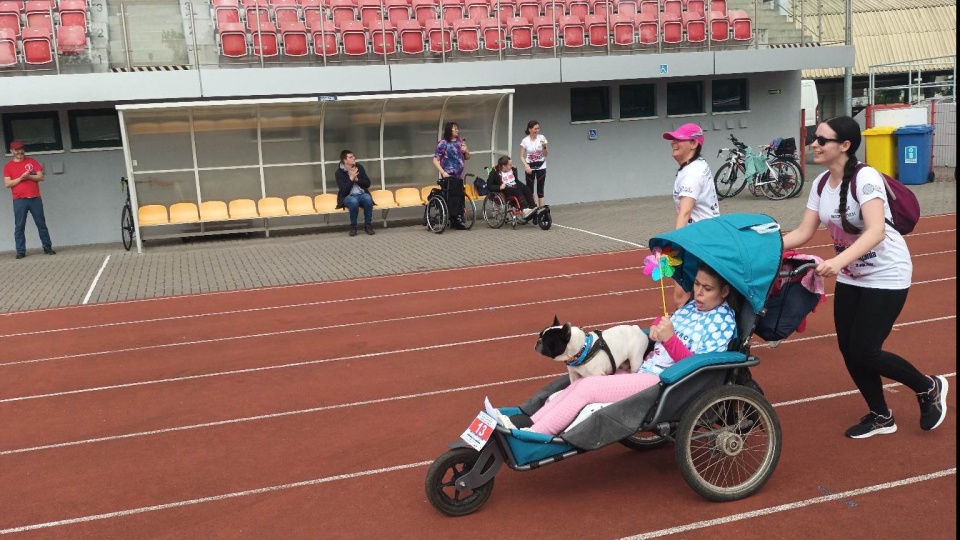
(820, 21)
(756, 17)
(848, 71)
(193, 32)
(123, 29)
(56, 48)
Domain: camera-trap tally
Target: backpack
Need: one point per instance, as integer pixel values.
(481, 186)
(904, 206)
(784, 147)
(784, 311)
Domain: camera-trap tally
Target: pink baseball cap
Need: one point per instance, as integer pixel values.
(15, 145)
(686, 132)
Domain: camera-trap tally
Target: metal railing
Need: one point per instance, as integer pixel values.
(915, 69)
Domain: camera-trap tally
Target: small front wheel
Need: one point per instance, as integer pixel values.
(441, 483)
(545, 220)
(642, 441)
(126, 227)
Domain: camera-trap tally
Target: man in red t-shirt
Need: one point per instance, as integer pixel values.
(23, 176)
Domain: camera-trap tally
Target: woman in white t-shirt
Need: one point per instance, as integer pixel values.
(694, 194)
(873, 269)
(533, 154)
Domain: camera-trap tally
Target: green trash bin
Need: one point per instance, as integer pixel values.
(881, 149)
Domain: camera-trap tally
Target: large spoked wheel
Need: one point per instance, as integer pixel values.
(728, 443)
(794, 172)
(126, 227)
(545, 220)
(642, 441)
(436, 215)
(441, 483)
(782, 186)
(494, 211)
(469, 212)
(728, 181)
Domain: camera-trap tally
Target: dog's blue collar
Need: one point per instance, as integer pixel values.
(582, 357)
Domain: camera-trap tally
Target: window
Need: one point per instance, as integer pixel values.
(638, 101)
(592, 103)
(730, 95)
(94, 128)
(684, 98)
(39, 131)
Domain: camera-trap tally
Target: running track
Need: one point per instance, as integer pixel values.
(313, 411)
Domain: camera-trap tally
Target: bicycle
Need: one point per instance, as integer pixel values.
(127, 229)
(782, 177)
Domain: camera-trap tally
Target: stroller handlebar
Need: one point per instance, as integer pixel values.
(802, 269)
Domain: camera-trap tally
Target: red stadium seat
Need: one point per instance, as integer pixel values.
(628, 8)
(439, 36)
(451, 10)
(719, 5)
(577, 8)
(601, 7)
(648, 30)
(596, 26)
(369, 11)
(506, 8)
(546, 32)
(494, 36)
(384, 37)
(529, 9)
(324, 38)
(696, 6)
(257, 16)
(285, 11)
(571, 28)
(672, 6)
(39, 14)
(424, 11)
(719, 26)
(672, 25)
(341, 11)
(411, 37)
(554, 9)
(72, 40)
(695, 27)
(354, 38)
(622, 26)
(477, 9)
(467, 34)
(650, 7)
(37, 47)
(740, 22)
(313, 12)
(233, 40)
(397, 10)
(10, 17)
(73, 13)
(8, 48)
(264, 40)
(520, 31)
(293, 35)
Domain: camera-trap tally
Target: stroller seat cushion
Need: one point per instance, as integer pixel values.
(688, 365)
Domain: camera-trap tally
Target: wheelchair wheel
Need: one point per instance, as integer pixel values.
(494, 210)
(545, 220)
(469, 212)
(642, 441)
(442, 478)
(436, 215)
(728, 443)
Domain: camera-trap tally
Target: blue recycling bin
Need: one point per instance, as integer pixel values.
(915, 151)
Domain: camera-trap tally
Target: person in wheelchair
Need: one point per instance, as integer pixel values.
(503, 178)
(705, 324)
(449, 158)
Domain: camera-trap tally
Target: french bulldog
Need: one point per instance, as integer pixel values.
(608, 349)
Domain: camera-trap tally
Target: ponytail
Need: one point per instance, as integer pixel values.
(848, 170)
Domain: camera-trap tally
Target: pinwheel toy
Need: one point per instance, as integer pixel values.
(659, 265)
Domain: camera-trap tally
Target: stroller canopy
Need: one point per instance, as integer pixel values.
(743, 248)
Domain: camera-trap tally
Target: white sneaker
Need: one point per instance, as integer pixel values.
(527, 211)
(505, 421)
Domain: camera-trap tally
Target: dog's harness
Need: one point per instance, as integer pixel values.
(590, 349)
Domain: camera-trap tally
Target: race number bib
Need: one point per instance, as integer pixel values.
(479, 431)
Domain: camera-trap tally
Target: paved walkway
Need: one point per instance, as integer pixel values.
(106, 273)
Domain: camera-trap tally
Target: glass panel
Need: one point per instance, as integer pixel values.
(228, 185)
(95, 128)
(294, 180)
(372, 166)
(166, 188)
(592, 103)
(638, 101)
(413, 172)
(410, 127)
(226, 136)
(290, 133)
(730, 95)
(685, 98)
(154, 32)
(354, 126)
(159, 140)
(38, 131)
(503, 131)
(474, 117)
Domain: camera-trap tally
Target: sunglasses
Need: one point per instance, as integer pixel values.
(822, 141)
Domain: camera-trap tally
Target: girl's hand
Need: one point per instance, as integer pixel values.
(828, 268)
(664, 329)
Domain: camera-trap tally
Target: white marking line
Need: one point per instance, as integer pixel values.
(323, 302)
(792, 506)
(627, 242)
(364, 279)
(214, 498)
(321, 328)
(95, 280)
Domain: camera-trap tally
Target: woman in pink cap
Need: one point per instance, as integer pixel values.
(694, 193)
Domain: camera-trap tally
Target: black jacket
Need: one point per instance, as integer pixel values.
(345, 185)
(494, 181)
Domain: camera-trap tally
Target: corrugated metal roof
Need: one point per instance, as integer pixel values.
(867, 6)
(893, 35)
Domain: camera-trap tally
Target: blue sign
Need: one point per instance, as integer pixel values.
(326, 98)
(910, 154)
(663, 69)
(592, 134)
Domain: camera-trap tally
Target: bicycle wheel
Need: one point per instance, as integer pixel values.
(782, 186)
(126, 227)
(728, 182)
(469, 212)
(797, 174)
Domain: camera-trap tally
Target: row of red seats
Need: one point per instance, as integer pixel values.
(468, 35)
(35, 45)
(283, 11)
(36, 13)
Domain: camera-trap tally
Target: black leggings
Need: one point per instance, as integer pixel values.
(521, 192)
(538, 176)
(453, 187)
(864, 318)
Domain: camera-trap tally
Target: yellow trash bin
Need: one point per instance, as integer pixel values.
(881, 149)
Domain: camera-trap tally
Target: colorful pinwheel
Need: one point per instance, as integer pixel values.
(660, 264)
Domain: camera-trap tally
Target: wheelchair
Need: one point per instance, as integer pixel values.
(436, 215)
(498, 209)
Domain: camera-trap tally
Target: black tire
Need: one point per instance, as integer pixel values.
(643, 441)
(728, 443)
(728, 181)
(789, 175)
(781, 187)
(436, 215)
(469, 212)
(798, 175)
(441, 479)
(545, 220)
(494, 211)
(126, 227)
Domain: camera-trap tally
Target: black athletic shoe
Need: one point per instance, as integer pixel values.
(49, 251)
(353, 231)
(933, 404)
(21, 255)
(458, 225)
(368, 228)
(872, 424)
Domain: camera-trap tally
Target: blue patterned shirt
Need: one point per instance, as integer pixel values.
(450, 155)
(700, 332)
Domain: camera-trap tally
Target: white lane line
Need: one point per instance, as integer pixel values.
(95, 280)
(191, 502)
(792, 506)
(627, 242)
(537, 279)
(321, 328)
(364, 279)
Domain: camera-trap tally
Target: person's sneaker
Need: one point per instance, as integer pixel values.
(353, 231)
(21, 255)
(873, 424)
(505, 421)
(458, 225)
(933, 404)
(527, 211)
(49, 251)
(368, 228)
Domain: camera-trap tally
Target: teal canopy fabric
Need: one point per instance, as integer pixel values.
(743, 248)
